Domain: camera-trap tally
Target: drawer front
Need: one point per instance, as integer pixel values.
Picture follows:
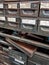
(44, 27)
(28, 5)
(12, 22)
(28, 25)
(39, 60)
(44, 9)
(33, 13)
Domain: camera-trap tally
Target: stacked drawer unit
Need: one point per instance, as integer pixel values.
(9, 13)
(12, 14)
(25, 16)
(28, 15)
(44, 18)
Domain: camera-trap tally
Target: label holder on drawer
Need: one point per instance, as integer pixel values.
(1, 5)
(12, 6)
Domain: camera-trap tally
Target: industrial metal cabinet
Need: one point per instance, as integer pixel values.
(14, 12)
(28, 16)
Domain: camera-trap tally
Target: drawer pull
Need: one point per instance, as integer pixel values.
(45, 29)
(27, 27)
(29, 12)
(45, 13)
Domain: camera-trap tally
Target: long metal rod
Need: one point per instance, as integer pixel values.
(39, 44)
(4, 43)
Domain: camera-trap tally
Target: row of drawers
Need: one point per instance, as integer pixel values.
(24, 16)
(30, 25)
(20, 8)
(30, 8)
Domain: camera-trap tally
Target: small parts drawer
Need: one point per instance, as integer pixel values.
(44, 27)
(12, 21)
(11, 8)
(29, 8)
(44, 9)
(29, 5)
(32, 13)
(28, 25)
(11, 5)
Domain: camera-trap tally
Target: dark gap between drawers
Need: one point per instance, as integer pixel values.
(42, 50)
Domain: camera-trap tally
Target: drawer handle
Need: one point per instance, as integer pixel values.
(12, 12)
(27, 27)
(19, 61)
(28, 12)
(46, 14)
(45, 29)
